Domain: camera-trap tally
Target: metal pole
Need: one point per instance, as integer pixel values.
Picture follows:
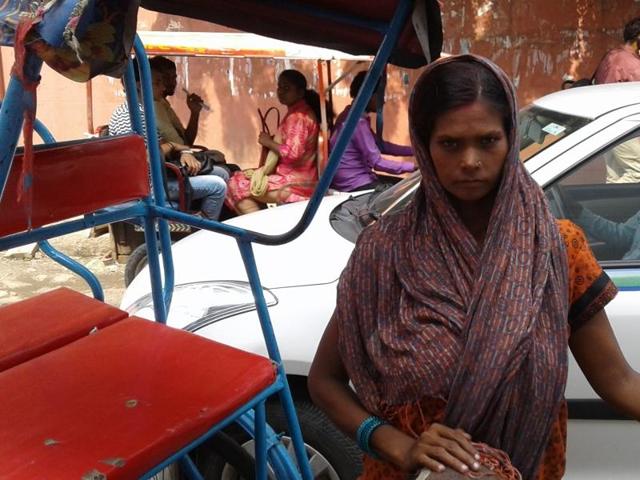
(323, 144)
(90, 128)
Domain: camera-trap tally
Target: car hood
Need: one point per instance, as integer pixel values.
(315, 257)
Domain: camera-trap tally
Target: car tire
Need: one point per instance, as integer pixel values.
(319, 433)
(339, 455)
(135, 263)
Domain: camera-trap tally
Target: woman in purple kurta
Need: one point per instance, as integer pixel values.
(362, 155)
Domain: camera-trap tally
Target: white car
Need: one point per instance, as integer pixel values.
(567, 138)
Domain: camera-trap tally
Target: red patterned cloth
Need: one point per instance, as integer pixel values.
(297, 163)
(590, 290)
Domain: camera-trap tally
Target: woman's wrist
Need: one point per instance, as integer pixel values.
(366, 429)
(392, 444)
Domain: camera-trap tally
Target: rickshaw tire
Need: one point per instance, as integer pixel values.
(214, 454)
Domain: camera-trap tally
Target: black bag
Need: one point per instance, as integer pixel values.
(208, 159)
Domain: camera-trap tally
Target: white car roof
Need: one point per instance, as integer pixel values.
(592, 101)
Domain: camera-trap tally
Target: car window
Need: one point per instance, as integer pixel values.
(602, 196)
(350, 217)
(395, 198)
(540, 128)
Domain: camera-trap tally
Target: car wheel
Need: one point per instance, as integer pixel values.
(135, 263)
(332, 455)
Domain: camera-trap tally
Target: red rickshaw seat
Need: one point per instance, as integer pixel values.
(38, 325)
(120, 401)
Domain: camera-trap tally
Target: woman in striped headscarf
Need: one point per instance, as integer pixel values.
(454, 315)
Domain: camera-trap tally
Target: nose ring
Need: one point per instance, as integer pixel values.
(478, 163)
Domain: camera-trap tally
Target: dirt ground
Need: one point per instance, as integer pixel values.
(24, 273)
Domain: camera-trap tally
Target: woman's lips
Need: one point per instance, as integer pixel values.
(470, 182)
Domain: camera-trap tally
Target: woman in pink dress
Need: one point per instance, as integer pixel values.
(296, 172)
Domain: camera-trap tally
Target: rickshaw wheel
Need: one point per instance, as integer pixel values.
(220, 451)
(334, 456)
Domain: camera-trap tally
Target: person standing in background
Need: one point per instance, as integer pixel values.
(622, 64)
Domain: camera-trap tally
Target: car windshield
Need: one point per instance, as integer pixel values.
(539, 128)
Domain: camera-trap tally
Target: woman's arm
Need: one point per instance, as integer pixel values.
(266, 140)
(435, 448)
(619, 235)
(296, 131)
(396, 150)
(596, 350)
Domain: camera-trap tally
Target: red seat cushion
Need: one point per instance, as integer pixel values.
(45, 322)
(120, 401)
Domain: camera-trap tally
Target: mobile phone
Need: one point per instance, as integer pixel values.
(422, 474)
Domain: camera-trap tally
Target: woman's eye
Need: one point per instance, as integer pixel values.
(489, 140)
(448, 144)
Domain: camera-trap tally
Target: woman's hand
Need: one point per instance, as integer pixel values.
(265, 140)
(440, 447)
(189, 161)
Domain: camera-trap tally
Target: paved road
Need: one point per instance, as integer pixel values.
(22, 276)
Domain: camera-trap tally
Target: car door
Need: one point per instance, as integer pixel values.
(599, 175)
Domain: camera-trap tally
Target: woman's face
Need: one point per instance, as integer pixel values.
(468, 147)
(287, 92)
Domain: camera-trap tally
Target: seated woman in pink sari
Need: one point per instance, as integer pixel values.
(296, 146)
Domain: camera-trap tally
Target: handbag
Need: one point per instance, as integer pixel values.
(268, 158)
(208, 159)
(260, 176)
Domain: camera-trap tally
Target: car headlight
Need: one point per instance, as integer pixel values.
(198, 304)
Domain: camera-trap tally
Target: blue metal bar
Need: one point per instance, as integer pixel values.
(40, 128)
(91, 220)
(153, 259)
(286, 400)
(43, 131)
(16, 101)
(131, 89)
(260, 423)
(54, 254)
(75, 267)
(279, 458)
(266, 393)
(203, 223)
(379, 93)
(189, 468)
(157, 167)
